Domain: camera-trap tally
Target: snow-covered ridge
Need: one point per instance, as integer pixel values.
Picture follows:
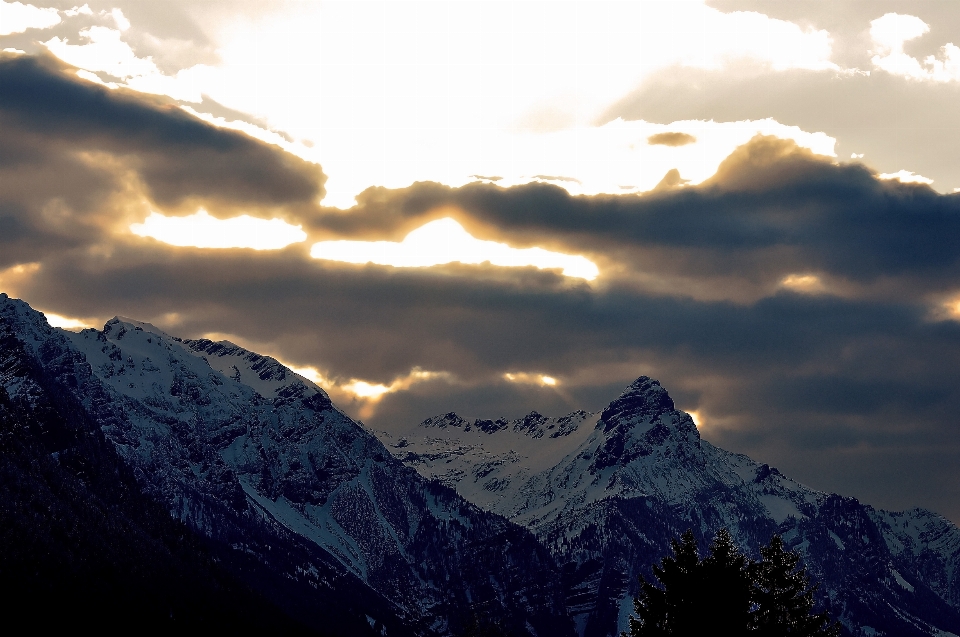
(246, 451)
(264, 374)
(637, 473)
(639, 445)
(229, 438)
(534, 425)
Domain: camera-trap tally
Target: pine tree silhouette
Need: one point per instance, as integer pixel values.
(660, 608)
(784, 597)
(695, 597)
(726, 600)
(728, 594)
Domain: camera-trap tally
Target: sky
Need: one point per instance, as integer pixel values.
(499, 207)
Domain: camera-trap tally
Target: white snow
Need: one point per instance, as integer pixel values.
(780, 508)
(836, 540)
(902, 582)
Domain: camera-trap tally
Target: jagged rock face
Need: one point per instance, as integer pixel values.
(641, 419)
(557, 517)
(607, 498)
(644, 398)
(251, 455)
(84, 539)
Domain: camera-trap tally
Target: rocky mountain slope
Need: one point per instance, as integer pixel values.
(209, 485)
(298, 500)
(605, 492)
(80, 544)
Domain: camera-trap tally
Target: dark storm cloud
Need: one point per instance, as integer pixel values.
(49, 200)
(835, 388)
(802, 382)
(176, 155)
(671, 139)
(772, 209)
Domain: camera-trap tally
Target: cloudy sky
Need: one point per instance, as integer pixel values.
(492, 208)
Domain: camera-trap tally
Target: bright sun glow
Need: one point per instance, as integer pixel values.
(200, 230)
(16, 17)
(366, 390)
(363, 389)
(445, 241)
(519, 97)
(803, 283)
(953, 309)
(375, 391)
(15, 277)
(72, 324)
(697, 420)
(312, 374)
(892, 31)
(531, 379)
(907, 177)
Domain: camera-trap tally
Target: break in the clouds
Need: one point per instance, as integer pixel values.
(200, 230)
(82, 162)
(321, 76)
(891, 32)
(804, 306)
(16, 17)
(445, 241)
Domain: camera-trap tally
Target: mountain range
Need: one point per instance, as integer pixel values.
(187, 482)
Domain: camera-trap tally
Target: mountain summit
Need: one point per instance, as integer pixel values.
(251, 496)
(607, 498)
(296, 500)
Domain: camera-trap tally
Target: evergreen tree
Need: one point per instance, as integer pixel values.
(659, 607)
(728, 594)
(726, 600)
(694, 597)
(784, 597)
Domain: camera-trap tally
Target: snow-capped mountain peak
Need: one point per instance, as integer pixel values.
(643, 399)
(641, 475)
(256, 459)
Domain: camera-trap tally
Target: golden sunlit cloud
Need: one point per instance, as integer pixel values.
(376, 391)
(365, 390)
(697, 418)
(67, 323)
(945, 309)
(93, 77)
(104, 51)
(808, 283)
(953, 309)
(445, 241)
(907, 177)
(369, 394)
(889, 34)
(200, 230)
(615, 158)
(313, 374)
(358, 138)
(16, 17)
(531, 379)
(12, 278)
